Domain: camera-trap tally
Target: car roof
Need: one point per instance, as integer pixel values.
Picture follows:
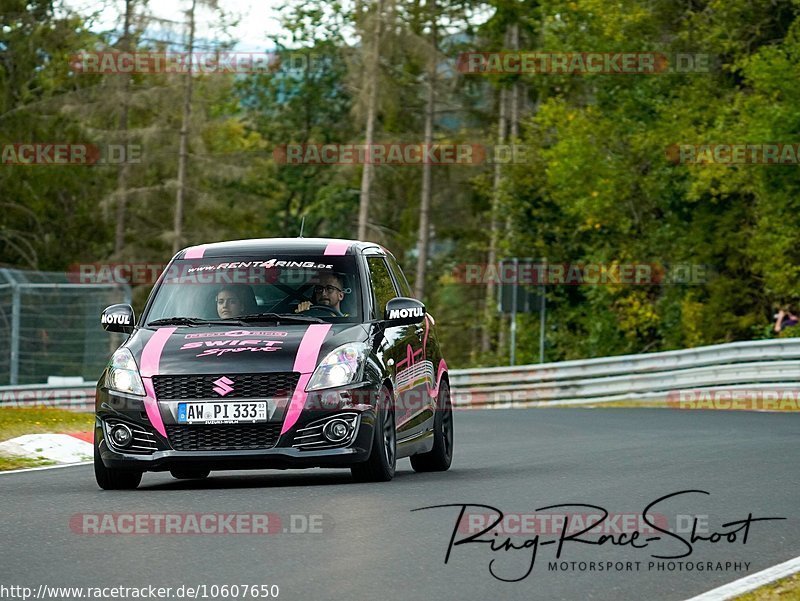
(260, 246)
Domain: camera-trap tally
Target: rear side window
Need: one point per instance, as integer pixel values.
(382, 287)
(400, 278)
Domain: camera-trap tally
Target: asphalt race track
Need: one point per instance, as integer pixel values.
(368, 544)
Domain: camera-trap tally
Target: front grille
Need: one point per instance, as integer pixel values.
(223, 437)
(245, 386)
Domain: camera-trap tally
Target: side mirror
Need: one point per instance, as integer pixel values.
(401, 311)
(118, 318)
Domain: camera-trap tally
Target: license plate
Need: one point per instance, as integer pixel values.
(231, 412)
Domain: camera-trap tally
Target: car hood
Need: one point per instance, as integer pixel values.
(218, 349)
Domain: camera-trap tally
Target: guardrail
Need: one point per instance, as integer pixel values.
(759, 364)
(772, 365)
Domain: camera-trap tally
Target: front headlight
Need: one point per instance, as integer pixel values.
(123, 375)
(342, 366)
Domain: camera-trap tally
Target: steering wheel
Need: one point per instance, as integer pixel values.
(330, 310)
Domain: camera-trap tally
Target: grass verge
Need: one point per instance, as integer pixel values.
(659, 404)
(786, 589)
(18, 421)
(8, 462)
(662, 404)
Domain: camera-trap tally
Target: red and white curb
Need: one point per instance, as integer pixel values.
(60, 448)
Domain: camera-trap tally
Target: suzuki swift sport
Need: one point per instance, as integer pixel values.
(274, 353)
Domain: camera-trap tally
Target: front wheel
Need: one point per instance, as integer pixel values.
(381, 463)
(114, 479)
(439, 458)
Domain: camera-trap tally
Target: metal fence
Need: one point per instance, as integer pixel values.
(758, 364)
(50, 326)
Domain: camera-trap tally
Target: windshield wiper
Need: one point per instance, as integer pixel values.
(277, 317)
(181, 321)
(242, 320)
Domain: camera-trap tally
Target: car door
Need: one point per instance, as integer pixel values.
(402, 350)
(425, 377)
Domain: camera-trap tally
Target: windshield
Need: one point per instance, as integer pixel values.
(298, 287)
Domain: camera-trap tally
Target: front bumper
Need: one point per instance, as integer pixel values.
(112, 408)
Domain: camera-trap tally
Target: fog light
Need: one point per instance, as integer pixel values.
(121, 435)
(336, 430)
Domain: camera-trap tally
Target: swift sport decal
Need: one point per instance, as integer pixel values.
(232, 346)
(305, 362)
(151, 357)
(232, 342)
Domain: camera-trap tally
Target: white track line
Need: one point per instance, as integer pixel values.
(750, 583)
(44, 467)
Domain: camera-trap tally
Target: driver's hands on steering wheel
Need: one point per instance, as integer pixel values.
(303, 306)
(309, 306)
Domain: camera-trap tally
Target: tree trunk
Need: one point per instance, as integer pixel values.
(491, 260)
(513, 135)
(372, 109)
(183, 156)
(515, 89)
(425, 200)
(122, 170)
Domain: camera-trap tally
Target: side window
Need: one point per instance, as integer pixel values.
(382, 287)
(400, 278)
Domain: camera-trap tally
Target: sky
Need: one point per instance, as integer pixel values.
(259, 20)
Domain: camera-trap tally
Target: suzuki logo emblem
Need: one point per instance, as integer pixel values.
(223, 386)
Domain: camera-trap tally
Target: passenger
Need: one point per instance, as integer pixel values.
(235, 301)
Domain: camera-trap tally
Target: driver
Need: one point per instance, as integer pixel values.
(328, 291)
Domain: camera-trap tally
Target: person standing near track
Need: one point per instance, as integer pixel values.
(784, 318)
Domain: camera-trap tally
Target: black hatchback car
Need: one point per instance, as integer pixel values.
(274, 353)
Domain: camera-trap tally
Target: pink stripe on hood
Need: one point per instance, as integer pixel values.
(151, 357)
(305, 362)
(336, 248)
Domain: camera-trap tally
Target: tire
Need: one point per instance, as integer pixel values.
(114, 479)
(439, 458)
(380, 465)
(190, 473)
